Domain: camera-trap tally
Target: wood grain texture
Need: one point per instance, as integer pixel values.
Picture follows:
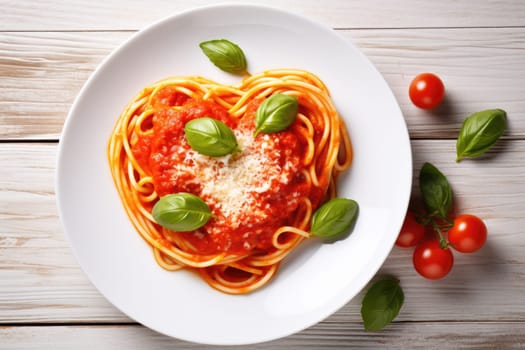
(41, 282)
(36, 263)
(48, 49)
(41, 73)
(344, 335)
(113, 15)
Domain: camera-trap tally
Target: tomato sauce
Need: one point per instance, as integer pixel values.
(273, 191)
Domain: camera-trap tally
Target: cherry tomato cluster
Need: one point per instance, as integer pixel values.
(432, 256)
(435, 235)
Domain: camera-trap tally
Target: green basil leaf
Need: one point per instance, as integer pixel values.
(181, 212)
(479, 132)
(436, 191)
(226, 55)
(334, 218)
(276, 113)
(381, 304)
(210, 137)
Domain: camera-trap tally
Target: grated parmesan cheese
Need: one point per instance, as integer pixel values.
(232, 182)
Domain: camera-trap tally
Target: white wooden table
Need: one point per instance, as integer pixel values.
(49, 48)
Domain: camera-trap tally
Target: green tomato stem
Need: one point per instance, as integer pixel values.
(442, 241)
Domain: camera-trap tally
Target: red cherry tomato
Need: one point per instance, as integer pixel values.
(468, 234)
(411, 233)
(426, 91)
(431, 261)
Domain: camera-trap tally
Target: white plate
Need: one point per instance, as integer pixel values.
(317, 279)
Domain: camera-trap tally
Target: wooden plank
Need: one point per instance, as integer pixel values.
(41, 73)
(39, 274)
(41, 282)
(118, 15)
(399, 335)
(481, 69)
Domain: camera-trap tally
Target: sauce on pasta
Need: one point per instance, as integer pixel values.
(262, 197)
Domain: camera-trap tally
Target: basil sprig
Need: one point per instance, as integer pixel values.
(479, 132)
(226, 55)
(181, 212)
(276, 113)
(210, 137)
(381, 304)
(334, 218)
(436, 191)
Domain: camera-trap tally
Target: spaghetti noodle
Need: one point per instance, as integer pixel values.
(262, 198)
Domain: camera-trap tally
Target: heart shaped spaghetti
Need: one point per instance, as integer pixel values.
(262, 198)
